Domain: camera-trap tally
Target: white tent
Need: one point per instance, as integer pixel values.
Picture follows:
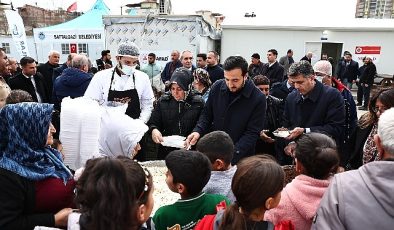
(82, 34)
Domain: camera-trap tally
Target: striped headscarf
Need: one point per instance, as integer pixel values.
(24, 131)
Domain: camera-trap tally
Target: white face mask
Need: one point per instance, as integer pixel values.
(319, 78)
(128, 70)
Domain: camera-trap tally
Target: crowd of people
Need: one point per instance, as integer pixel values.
(240, 123)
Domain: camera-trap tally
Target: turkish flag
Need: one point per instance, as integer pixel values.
(72, 7)
(73, 48)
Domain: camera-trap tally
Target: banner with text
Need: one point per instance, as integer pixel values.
(364, 51)
(17, 30)
(162, 57)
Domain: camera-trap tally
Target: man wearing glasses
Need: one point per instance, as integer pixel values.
(123, 85)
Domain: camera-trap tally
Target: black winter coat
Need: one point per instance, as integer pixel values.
(47, 72)
(215, 73)
(368, 74)
(349, 72)
(241, 117)
(280, 90)
(323, 111)
(23, 83)
(173, 117)
(274, 113)
(17, 203)
(356, 143)
(274, 73)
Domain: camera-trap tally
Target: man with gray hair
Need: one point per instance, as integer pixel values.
(313, 107)
(171, 66)
(47, 69)
(124, 85)
(369, 190)
(308, 57)
(73, 81)
(59, 70)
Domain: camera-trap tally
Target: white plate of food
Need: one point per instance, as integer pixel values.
(281, 133)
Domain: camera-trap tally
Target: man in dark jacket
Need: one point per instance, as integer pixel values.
(273, 70)
(347, 71)
(273, 118)
(282, 90)
(235, 106)
(171, 66)
(313, 107)
(59, 70)
(105, 61)
(73, 82)
(307, 57)
(215, 71)
(256, 67)
(30, 81)
(366, 81)
(46, 69)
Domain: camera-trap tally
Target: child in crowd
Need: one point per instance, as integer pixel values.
(219, 148)
(188, 173)
(257, 185)
(316, 160)
(4, 92)
(57, 144)
(112, 194)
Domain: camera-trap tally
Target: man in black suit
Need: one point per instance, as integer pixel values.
(273, 70)
(347, 71)
(46, 69)
(105, 61)
(30, 81)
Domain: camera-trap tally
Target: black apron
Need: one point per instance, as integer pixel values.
(130, 96)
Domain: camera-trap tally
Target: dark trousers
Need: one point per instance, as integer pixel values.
(359, 94)
(366, 92)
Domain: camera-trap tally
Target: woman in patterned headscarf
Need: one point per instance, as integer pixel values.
(202, 83)
(36, 187)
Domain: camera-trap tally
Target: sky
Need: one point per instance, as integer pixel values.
(313, 10)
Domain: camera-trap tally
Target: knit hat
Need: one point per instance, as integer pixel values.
(256, 55)
(201, 75)
(323, 67)
(182, 77)
(128, 49)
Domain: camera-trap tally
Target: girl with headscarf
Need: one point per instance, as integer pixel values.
(36, 187)
(119, 134)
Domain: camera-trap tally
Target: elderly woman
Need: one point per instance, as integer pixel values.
(176, 112)
(202, 83)
(36, 187)
(364, 148)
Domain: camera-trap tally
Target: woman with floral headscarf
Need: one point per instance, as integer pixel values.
(202, 83)
(36, 187)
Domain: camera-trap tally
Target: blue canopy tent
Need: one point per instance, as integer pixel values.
(83, 34)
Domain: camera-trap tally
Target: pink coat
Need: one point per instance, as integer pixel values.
(299, 202)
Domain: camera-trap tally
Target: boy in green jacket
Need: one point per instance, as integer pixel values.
(188, 173)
